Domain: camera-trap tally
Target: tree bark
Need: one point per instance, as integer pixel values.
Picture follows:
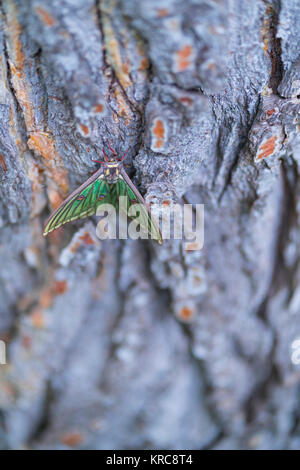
(124, 344)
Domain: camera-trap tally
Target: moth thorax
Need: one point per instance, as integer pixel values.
(112, 172)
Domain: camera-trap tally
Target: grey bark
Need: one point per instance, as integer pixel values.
(124, 344)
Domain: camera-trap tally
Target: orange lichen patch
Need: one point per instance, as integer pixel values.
(45, 16)
(14, 31)
(3, 164)
(114, 59)
(112, 47)
(211, 66)
(183, 57)
(186, 313)
(84, 239)
(161, 12)
(72, 439)
(87, 239)
(44, 301)
(125, 68)
(159, 143)
(186, 100)
(265, 33)
(270, 112)
(74, 247)
(84, 129)
(22, 90)
(166, 203)
(144, 64)
(193, 246)
(267, 148)
(16, 62)
(124, 110)
(158, 131)
(37, 318)
(54, 197)
(267, 30)
(46, 297)
(43, 144)
(197, 280)
(99, 108)
(60, 287)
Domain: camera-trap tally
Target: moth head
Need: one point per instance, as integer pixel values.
(112, 164)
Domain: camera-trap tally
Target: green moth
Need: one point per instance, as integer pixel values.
(105, 186)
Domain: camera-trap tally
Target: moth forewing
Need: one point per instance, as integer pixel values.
(59, 218)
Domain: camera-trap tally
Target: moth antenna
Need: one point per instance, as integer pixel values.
(97, 161)
(110, 147)
(124, 155)
(105, 156)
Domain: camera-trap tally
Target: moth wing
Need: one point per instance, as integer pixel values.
(81, 203)
(148, 222)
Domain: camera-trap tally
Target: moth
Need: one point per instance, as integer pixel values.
(105, 186)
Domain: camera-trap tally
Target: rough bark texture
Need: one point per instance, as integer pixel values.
(123, 344)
